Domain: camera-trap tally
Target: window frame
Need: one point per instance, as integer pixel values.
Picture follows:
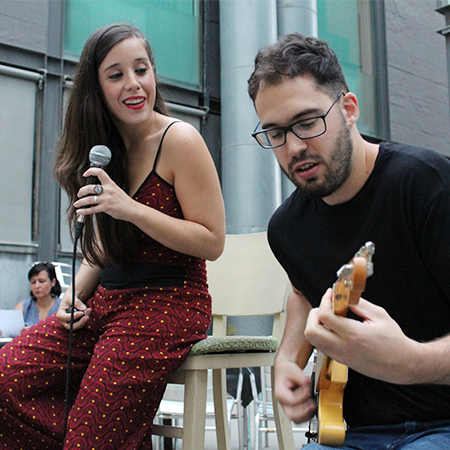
(28, 244)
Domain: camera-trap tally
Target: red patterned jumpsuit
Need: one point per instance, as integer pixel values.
(136, 338)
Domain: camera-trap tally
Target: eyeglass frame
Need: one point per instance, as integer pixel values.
(292, 125)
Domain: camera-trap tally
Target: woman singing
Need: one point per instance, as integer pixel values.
(151, 222)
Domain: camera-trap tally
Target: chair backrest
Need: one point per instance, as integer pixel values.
(64, 274)
(247, 280)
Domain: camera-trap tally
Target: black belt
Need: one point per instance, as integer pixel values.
(130, 275)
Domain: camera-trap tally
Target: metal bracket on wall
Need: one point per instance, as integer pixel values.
(38, 76)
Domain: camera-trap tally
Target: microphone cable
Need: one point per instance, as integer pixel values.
(69, 348)
(99, 156)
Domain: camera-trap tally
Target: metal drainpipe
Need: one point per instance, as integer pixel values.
(250, 175)
(444, 9)
(301, 16)
(297, 15)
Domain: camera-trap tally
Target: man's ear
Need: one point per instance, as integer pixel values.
(350, 108)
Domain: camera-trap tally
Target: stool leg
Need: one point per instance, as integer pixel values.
(220, 409)
(194, 417)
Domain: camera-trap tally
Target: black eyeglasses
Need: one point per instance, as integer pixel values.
(304, 129)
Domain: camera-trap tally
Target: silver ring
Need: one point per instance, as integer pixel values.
(98, 189)
(95, 200)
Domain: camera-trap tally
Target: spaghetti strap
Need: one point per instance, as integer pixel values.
(160, 144)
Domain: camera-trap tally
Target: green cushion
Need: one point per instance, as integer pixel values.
(233, 344)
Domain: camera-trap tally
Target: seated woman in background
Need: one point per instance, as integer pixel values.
(45, 292)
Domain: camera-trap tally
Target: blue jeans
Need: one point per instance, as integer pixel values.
(409, 436)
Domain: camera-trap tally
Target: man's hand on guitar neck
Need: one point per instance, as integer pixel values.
(375, 347)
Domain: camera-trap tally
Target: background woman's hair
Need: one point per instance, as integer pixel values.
(88, 123)
(50, 269)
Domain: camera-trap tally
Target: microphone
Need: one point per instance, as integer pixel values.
(99, 156)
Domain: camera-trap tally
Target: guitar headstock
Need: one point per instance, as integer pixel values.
(351, 280)
(367, 251)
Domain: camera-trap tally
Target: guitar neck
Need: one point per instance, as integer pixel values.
(347, 290)
(330, 377)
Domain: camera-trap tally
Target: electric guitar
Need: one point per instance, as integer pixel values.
(329, 376)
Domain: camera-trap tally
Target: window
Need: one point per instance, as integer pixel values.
(347, 26)
(17, 150)
(172, 28)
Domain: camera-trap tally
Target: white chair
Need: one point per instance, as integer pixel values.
(64, 274)
(171, 408)
(245, 281)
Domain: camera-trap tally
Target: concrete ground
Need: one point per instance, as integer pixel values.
(268, 441)
(210, 439)
(272, 444)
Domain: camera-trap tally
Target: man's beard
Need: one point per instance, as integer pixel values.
(337, 168)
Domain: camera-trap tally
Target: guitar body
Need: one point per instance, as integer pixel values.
(331, 425)
(330, 377)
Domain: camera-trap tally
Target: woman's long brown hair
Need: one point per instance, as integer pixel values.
(87, 123)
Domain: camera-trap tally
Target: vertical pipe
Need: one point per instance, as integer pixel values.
(250, 175)
(301, 16)
(297, 15)
(48, 219)
(444, 9)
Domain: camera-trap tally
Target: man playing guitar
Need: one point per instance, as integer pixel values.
(395, 340)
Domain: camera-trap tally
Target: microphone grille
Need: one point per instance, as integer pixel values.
(100, 155)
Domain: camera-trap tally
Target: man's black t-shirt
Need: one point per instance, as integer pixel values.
(404, 208)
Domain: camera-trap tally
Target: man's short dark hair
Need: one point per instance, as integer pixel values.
(296, 55)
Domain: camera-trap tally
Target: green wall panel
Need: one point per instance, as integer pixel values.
(347, 27)
(171, 26)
